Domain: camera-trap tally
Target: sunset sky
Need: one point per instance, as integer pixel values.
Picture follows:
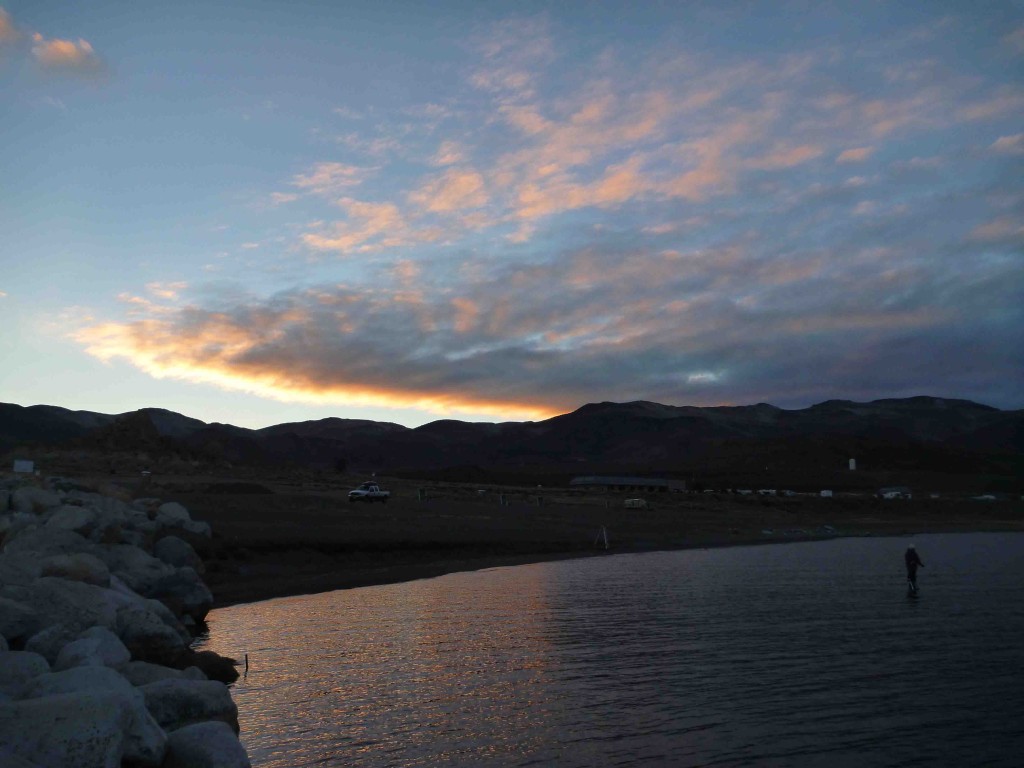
(275, 211)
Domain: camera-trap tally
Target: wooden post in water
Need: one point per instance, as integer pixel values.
(246, 665)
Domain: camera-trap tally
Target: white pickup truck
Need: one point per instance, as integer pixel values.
(369, 492)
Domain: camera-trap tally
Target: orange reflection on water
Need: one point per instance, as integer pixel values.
(400, 669)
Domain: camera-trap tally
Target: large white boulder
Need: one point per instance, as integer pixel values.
(75, 604)
(18, 668)
(31, 499)
(17, 619)
(148, 637)
(49, 642)
(177, 703)
(144, 740)
(72, 518)
(135, 567)
(143, 673)
(179, 553)
(184, 593)
(172, 514)
(197, 527)
(78, 567)
(85, 729)
(205, 745)
(18, 568)
(43, 542)
(89, 678)
(97, 647)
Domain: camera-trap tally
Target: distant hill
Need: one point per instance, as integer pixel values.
(929, 435)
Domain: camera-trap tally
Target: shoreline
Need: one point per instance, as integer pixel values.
(232, 592)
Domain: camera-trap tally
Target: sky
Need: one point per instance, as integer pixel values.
(264, 212)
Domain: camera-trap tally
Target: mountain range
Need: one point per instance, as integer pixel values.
(932, 435)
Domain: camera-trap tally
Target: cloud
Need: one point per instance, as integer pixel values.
(67, 55)
(167, 290)
(8, 32)
(454, 190)
(785, 157)
(449, 153)
(1015, 40)
(1003, 228)
(369, 226)
(855, 155)
(330, 178)
(1005, 100)
(1009, 145)
(751, 318)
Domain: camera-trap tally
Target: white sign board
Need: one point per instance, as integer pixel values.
(22, 465)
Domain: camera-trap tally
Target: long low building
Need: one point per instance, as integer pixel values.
(613, 483)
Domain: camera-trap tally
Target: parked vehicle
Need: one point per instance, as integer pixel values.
(369, 492)
(636, 504)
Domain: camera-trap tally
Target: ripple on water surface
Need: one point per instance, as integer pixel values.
(802, 654)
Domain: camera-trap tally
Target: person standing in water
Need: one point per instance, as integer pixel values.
(913, 560)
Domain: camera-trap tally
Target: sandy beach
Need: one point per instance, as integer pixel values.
(298, 534)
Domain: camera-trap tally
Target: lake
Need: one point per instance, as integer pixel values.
(800, 654)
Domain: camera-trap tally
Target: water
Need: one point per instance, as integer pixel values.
(790, 655)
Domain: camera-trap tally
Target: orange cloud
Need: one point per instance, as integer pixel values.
(64, 54)
(1009, 145)
(786, 157)
(8, 34)
(329, 178)
(454, 190)
(224, 353)
(449, 153)
(855, 155)
(370, 226)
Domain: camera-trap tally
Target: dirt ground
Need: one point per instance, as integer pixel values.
(284, 534)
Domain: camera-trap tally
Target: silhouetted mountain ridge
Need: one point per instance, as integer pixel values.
(918, 433)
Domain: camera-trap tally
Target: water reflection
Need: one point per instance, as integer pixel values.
(797, 654)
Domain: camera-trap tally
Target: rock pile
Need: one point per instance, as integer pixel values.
(99, 602)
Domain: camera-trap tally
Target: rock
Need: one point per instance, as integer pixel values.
(48, 642)
(146, 505)
(184, 593)
(178, 553)
(196, 527)
(43, 542)
(89, 678)
(30, 499)
(213, 665)
(205, 745)
(85, 729)
(13, 525)
(177, 703)
(96, 647)
(172, 514)
(80, 567)
(78, 519)
(17, 620)
(75, 604)
(18, 668)
(144, 672)
(145, 740)
(148, 637)
(19, 568)
(10, 760)
(136, 568)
